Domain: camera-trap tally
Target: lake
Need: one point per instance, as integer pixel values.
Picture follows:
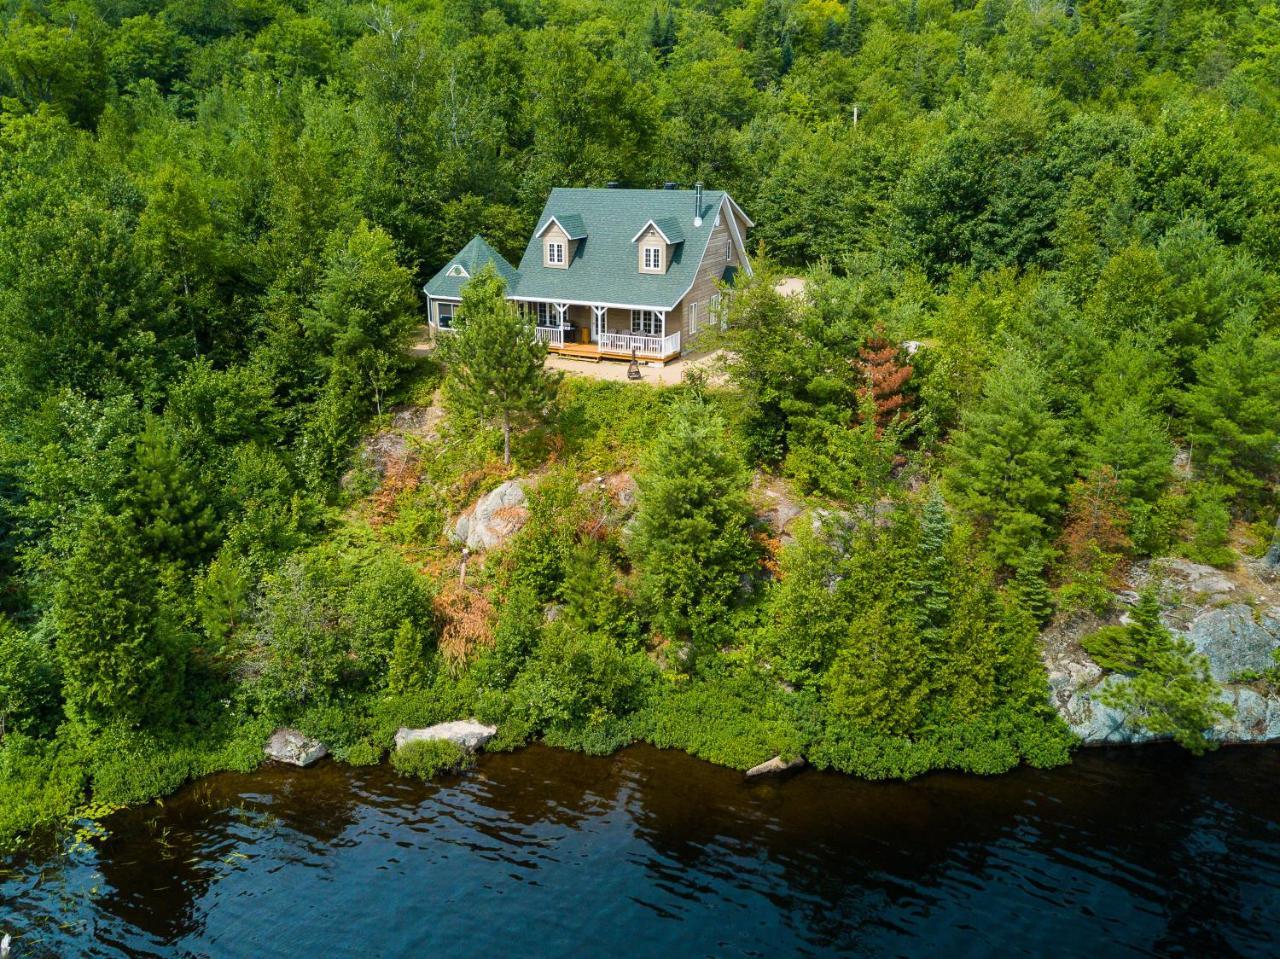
(649, 853)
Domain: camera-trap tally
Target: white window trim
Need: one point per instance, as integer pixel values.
(646, 323)
(652, 254)
(555, 253)
(457, 270)
(441, 306)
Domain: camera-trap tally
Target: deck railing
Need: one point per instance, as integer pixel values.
(551, 335)
(642, 345)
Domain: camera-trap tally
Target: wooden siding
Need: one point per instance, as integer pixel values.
(721, 252)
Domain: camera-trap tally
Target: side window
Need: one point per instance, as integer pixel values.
(555, 253)
(444, 315)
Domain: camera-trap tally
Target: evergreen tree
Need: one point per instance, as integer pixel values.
(1233, 410)
(173, 514)
(1170, 692)
(1133, 443)
(497, 365)
(690, 541)
(1009, 461)
(878, 680)
(29, 697)
(116, 640)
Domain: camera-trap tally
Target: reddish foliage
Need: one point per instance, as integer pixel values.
(886, 375)
(401, 476)
(1096, 518)
(467, 617)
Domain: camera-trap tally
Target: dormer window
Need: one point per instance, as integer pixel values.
(653, 259)
(555, 253)
(457, 270)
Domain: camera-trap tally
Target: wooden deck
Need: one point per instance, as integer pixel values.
(592, 351)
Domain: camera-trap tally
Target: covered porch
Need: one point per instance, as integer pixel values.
(605, 331)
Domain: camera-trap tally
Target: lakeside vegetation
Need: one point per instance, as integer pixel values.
(213, 220)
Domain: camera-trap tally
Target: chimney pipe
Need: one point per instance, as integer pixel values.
(697, 203)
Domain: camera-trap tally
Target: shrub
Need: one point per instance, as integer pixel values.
(427, 758)
(1112, 647)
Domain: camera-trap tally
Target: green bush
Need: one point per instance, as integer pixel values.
(1112, 647)
(427, 758)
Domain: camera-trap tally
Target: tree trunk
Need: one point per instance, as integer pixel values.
(506, 438)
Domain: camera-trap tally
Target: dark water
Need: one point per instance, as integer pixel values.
(649, 853)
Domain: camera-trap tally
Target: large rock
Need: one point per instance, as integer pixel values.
(1096, 723)
(494, 519)
(470, 734)
(290, 746)
(775, 767)
(1237, 641)
(1195, 582)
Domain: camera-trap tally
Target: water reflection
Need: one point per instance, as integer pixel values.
(649, 853)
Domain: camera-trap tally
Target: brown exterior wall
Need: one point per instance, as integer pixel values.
(721, 252)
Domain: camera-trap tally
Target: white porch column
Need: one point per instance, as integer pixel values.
(561, 309)
(662, 314)
(598, 318)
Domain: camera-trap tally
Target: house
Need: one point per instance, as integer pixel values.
(613, 273)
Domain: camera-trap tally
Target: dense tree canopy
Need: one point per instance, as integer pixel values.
(1038, 338)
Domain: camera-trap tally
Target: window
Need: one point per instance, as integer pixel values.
(653, 258)
(457, 270)
(546, 315)
(714, 312)
(695, 316)
(645, 323)
(555, 253)
(445, 313)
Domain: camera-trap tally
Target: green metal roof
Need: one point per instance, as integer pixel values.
(471, 258)
(605, 266)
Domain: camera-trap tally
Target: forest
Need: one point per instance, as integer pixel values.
(215, 220)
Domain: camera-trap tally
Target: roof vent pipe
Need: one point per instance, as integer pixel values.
(697, 203)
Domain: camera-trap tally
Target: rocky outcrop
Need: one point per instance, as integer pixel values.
(390, 449)
(1232, 621)
(776, 766)
(494, 519)
(470, 734)
(1238, 640)
(292, 747)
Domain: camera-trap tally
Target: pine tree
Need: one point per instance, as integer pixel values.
(1132, 442)
(1233, 409)
(1008, 463)
(497, 368)
(28, 683)
(1171, 692)
(690, 541)
(172, 512)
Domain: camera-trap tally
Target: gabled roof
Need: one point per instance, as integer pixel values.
(571, 223)
(604, 269)
(667, 226)
(471, 259)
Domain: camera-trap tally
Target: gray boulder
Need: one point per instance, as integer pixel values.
(470, 734)
(1098, 724)
(290, 746)
(494, 519)
(1195, 582)
(1236, 640)
(775, 767)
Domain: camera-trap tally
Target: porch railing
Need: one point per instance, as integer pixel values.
(642, 345)
(551, 335)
